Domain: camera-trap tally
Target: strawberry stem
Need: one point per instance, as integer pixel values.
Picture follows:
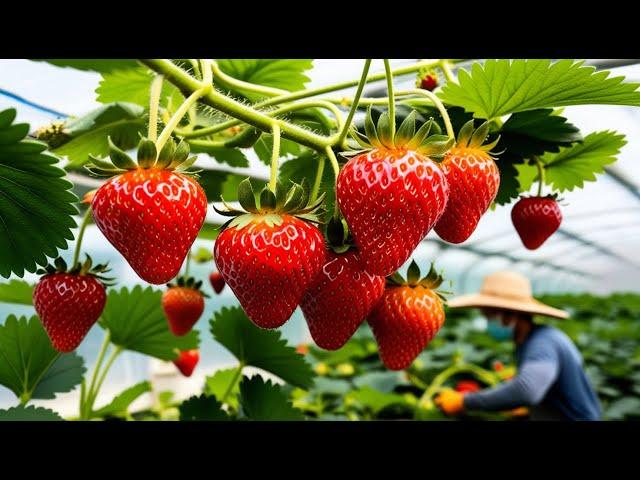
(83, 227)
(354, 104)
(540, 168)
(275, 155)
(94, 376)
(439, 105)
(445, 66)
(318, 180)
(154, 104)
(336, 171)
(187, 264)
(392, 100)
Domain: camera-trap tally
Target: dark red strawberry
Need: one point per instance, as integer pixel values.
(468, 386)
(217, 282)
(339, 299)
(407, 317)
(152, 211)
(183, 304)
(269, 254)
(536, 219)
(187, 362)
(427, 79)
(473, 179)
(392, 195)
(69, 302)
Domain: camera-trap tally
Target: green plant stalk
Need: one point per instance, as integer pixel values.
(275, 156)
(224, 80)
(354, 104)
(541, 175)
(336, 171)
(83, 227)
(154, 105)
(92, 396)
(231, 107)
(273, 113)
(313, 92)
(233, 382)
(445, 66)
(439, 105)
(96, 368)
(318, 180)
(196, 67)
(392, 99)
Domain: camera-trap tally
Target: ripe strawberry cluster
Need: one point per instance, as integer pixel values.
(272, 253)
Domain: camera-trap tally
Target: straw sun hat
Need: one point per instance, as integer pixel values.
(508, 291)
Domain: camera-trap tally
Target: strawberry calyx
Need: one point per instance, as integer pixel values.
(470, 138)
(80, 268)
(405, 138)
(270, 207)
(184, 281)
(339, 238)
(433, 280)
(172, 157)
(550, 196)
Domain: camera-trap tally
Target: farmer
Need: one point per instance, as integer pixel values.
(551, 380)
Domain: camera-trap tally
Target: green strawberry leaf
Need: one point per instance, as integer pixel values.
(499, 87)
(30, 367)
(527, 175)
(36, 204)
(121, 402)
(231, 156)
(262, 400)
(202, 408)
(535, 132)
(16, 291)
(92, 65)
(29, 413)
(218, 384)
(264, 147)
(136, 321)
(63, 376)
(132, 85)
(259, 348)
(88, 135)
(369, 399)
(277, 73)
(580, 163)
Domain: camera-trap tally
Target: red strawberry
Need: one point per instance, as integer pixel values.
(466, 386)
(536, 219)
(217, 282)
(427, 80)
(269, 256)
(407, 318)
(498, 366)
(70, 302)
(392, 195)
(183, 305)
(473, 179)
(152, 213)
(187, 362)
(339, 299)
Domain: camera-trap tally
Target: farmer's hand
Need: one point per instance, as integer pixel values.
(450, 401)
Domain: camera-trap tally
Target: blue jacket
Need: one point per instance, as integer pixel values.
(551, 381)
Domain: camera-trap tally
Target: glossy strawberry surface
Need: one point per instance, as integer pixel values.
(536, 219)
(270, 267)
(152, 218)
(183, 307)
(390, 199)
(187, 361)
(339, 299)
(404, 321)
(68, 306)
(473, 179)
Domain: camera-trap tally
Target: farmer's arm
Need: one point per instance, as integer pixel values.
(536, 374)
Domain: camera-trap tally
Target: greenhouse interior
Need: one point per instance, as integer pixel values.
(269, 343)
